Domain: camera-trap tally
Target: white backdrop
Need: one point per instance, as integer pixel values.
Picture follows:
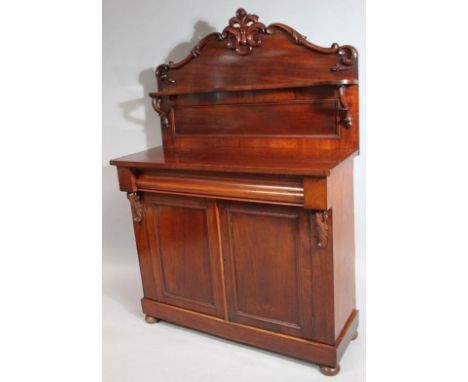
(138, 36)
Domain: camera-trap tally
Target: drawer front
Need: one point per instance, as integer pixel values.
(289, 191)
(268, 270)
(184, 252)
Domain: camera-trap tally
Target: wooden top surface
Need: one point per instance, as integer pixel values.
(254, 161)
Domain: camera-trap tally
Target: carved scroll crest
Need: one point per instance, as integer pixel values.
(243, 32)
(162, 73)
(348, 57)
(137, 207)
(321, 226)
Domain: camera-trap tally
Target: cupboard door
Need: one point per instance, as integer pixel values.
(267, 266)
(185, 252)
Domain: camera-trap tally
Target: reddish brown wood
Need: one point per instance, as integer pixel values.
(330, 371)
(127, 179)
(244, 217)
(268, 267)
(340, 190)
(322, 282)
(256, 56)
(347, 333)
(287, 191)
(137, 207)
(321, 228)
(315, 193)
(184, 246)
(163, 112)
(144, 254)
(151, 319)
(250, 63)
(344, 108)
(251, 161)
(303, 118)
(243, 31)
(322, 118)
(311, 351)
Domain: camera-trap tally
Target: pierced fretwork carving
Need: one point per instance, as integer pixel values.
(321, 226)
(344, 108)
(137, 208)
(156, 103)
(243, 31)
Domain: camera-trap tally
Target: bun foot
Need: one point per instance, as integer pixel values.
(329, 371)
(355, 336)
(151, 319)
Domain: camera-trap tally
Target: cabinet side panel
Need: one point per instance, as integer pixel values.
(340, 190)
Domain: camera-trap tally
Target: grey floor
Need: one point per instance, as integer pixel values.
(136, 351)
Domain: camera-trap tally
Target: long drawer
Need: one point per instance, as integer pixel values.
(281, 191)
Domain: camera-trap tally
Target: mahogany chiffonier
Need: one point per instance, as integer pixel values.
(243, 218)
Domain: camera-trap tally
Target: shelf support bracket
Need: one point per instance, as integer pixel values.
(156, 103)
(344, 108)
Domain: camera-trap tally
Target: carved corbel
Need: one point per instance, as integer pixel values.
(344, 108)
(321, 227)
(137, 207)
(156, 103)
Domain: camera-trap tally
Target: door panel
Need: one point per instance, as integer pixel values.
(267, 266)
(185, 255)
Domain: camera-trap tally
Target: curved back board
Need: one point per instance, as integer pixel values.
(260, 86)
